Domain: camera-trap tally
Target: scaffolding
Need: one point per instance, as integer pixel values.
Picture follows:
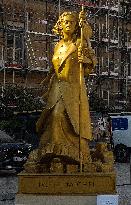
(112, 43)
(31, 22)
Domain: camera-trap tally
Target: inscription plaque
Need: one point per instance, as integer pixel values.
(67, 184)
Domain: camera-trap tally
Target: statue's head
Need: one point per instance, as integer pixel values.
(68, 22)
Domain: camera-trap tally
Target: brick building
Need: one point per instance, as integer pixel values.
(27, 43)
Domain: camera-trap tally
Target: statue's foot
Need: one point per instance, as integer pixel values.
(59, 166)
(92, 167)
(32, 164)
(33, 156)
(72, 168)
(31, 167)
(56, 166)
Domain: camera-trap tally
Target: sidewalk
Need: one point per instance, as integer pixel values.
(124, 183)
(9, 186)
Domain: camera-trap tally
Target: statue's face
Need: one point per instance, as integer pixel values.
(68, 24)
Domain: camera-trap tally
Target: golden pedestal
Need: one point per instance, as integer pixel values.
(67, 184)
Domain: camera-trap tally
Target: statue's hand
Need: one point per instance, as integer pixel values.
(93, 57)
(83, 23)
(82, 15)
(82, 18)
(82, 58)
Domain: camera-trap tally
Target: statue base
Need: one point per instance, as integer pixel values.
(67, 184)
(29, 199)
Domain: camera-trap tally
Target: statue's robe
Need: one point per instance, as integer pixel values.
(68, 101)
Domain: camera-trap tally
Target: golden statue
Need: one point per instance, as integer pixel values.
(64, 126)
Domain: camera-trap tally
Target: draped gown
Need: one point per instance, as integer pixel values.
(67, 109)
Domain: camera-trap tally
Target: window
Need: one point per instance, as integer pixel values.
(15, 47)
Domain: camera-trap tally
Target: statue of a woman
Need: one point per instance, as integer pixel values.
(67, 110)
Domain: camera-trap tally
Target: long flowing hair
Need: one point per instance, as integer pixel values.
(58, 28)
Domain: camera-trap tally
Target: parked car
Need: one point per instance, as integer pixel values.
(14, 155)
(121, 136)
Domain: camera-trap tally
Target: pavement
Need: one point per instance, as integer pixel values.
(123, 182)
(123, 187)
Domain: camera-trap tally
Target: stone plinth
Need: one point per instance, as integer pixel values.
(26, 199)
(65, 184)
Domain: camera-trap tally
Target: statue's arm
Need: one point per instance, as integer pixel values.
(87, 30)
(86, 55)
(91, 62)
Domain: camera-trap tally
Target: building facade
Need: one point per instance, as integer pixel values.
(27, 44)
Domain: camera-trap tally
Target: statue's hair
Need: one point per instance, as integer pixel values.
(58, 29)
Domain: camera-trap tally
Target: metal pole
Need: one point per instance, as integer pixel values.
(3, 66)
(126, 87)
(81, 70)
(108, 36)
(13, 80)
(59, 6)
(108, 92)
(46, 36)
(27, 22)
(120, 74)
(106, 25)
(14, 59)
(99, 31)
